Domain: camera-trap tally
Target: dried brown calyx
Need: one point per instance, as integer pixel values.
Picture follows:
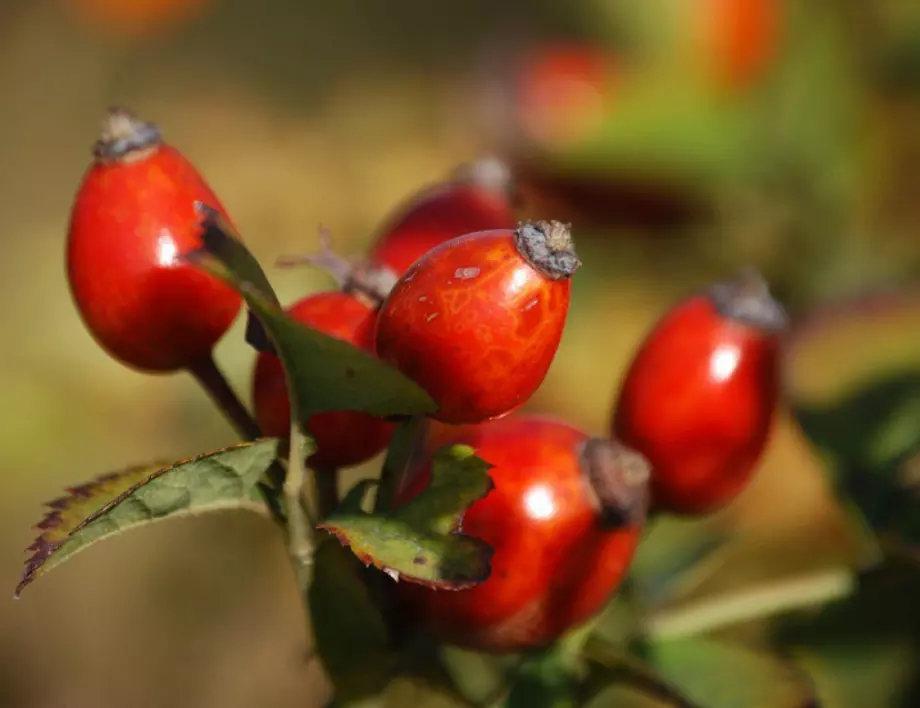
(747, 299)
(126, 138)
(618, 481)
(548, 247)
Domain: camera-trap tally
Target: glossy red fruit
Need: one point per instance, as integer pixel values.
(700, 396)
(477, 197)
(134, 215)
(342, 438)
(477, 321)
(564, 519)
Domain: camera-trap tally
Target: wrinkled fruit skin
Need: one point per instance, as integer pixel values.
(129, 223)
(475, 325)
(342, 438)
(554, 565)
(698, 401)
(436, 216)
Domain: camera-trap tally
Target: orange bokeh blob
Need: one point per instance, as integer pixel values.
(740, 39)
(135, 18)
(563, 91)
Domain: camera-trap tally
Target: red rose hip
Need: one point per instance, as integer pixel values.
(564, 519)
(477, 320)
(700, 396)
(134, 216)
(342, 438)
(476, 197)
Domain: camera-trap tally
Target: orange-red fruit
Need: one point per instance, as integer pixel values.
(477, 197)
(700, 396)
(342, 438)
(564, 519)
(134, 215)
(477, 321)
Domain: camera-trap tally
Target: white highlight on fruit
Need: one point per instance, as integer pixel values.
(539, 502)
(166, 249)
(724, 361)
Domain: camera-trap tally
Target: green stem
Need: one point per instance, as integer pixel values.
(327, 489)
(630, 671)
(751, 604)
(212, 380)
(300, 516)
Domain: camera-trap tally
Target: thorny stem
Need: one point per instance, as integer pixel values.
(300, 531)
(212, 380)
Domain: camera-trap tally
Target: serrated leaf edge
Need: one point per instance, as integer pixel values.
(43, 550)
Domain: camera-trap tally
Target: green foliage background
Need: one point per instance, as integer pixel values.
(308, 112)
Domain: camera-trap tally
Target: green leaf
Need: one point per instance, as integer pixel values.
(418, 541)
(872, 441)
(864, 651)
(354, 500)
(323, 373)
(862, 675)
(544, 681)
(118, 502)
(350, 633)
(479, 678)
(844, 344)
(865, 425)
(721, 675)
(406, 445)
(872, 426)
(659, 128)
(622, 696)
(675, 555)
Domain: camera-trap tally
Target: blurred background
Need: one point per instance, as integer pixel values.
(684, 140)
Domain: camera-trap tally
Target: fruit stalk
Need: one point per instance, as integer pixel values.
(211, 379)
(327, 489)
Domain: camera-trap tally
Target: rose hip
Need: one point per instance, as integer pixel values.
(134, 215)
(477, 321)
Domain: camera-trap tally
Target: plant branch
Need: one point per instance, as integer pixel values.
(212, 380)
(300, 530)
(751, 604)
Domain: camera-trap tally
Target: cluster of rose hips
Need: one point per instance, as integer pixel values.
(471, 305)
